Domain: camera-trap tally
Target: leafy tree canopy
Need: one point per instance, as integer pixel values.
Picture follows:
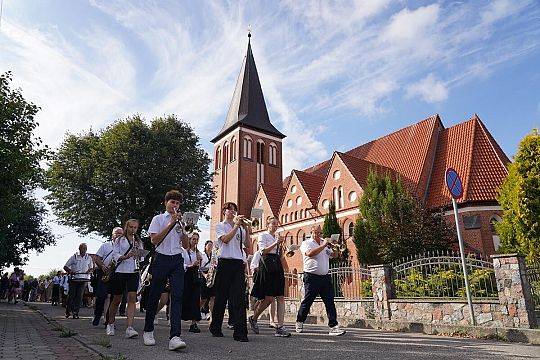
(22, 226)
(393, 224)
(519, 197)
(99, 180)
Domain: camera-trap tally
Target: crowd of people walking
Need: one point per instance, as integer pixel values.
(193, 285)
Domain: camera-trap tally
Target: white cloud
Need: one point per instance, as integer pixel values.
(412, 25)
(429, 89)
(51, 75)
(500, 9)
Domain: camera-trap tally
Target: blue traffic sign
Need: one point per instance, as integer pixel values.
(454, 184)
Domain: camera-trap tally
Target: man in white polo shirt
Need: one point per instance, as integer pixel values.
(170, 241)
(316, 255)
(78, 267)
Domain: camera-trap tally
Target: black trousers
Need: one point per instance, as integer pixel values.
(315, 285)
(165, 267)
(75, 295)
(101, 292)
(230, 285)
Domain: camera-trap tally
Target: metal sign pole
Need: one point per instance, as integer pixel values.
(462, 252)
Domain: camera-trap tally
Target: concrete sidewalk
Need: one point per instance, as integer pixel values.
(25, 334)
(313, 344)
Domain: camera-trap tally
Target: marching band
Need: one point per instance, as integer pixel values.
(197, 285)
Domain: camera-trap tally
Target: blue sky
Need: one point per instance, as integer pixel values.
(335, 74)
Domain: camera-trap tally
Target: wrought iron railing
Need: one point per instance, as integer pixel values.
(533, 276)
(439, 275)
(350, 283)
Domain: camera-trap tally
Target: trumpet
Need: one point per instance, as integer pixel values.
(290, 249)
(335, 245)
(251, 222)
(188, 228)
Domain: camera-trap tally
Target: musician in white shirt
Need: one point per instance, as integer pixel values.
(192, 284)
(270, 277)
(104, 256)
(230, 281)
(170, 241)
(316, 255)
(126, 276)
(207, 294)
(78, 267)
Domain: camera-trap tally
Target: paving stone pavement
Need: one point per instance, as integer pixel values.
(25, 334)
(314, 344)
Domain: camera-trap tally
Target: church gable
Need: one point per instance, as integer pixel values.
(300, 195)
(340, 186)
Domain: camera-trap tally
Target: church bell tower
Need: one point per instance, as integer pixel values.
(247, 150)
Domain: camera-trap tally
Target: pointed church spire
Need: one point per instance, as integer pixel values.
(248, 108)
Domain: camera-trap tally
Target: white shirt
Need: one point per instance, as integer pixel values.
(205, 263)
(265, 241)
(57, 280)
(234, 248)
(172, 244)
(80, 265)
(317, 264)
(105, 252)
(190, 257)
(65, 283)
(121, 246)
(255, 261)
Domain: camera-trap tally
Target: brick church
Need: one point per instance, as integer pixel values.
(248, 171)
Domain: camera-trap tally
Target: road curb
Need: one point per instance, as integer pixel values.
(527, 336)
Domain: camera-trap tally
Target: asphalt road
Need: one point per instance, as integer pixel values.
(313, 344)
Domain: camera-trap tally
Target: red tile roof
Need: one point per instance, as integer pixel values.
(471, 150)
(275, 196)
(360, 168)
(406, 151)
(311, 183)
(425, 148)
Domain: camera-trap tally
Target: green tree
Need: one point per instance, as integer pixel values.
(393, 224)
(99, 180)
(331, 226)
(519, 197)
(22, 226)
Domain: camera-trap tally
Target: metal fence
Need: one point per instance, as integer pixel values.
(439, 275)
(533, 275)
(350, 283)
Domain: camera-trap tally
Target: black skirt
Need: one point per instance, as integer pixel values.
(191, 296)
(256, 290)
(270, 283)
(206, 292)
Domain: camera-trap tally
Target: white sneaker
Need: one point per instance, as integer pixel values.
(131, 333)
(336, 331)
(299, 326)
(148, 338)
(176, 343)
(110, 330)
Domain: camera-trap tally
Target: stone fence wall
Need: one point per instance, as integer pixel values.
(514, 308)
